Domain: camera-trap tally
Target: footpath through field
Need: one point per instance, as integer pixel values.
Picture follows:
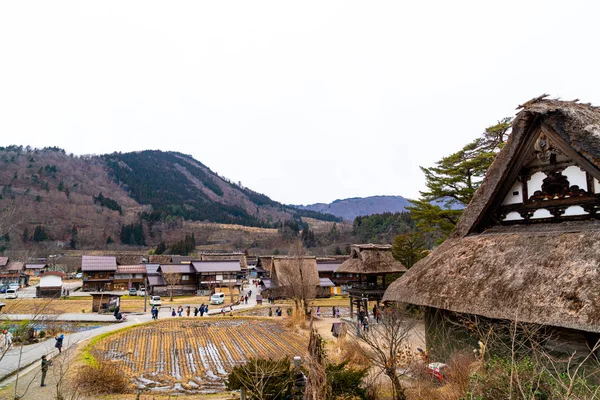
(32, 353)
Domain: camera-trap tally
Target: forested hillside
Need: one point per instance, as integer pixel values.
(48, 196)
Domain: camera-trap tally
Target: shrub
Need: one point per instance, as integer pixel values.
(101, 378)
(346, 382)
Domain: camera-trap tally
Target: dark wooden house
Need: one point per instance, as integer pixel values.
(98, 272)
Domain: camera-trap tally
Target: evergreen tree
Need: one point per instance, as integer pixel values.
(39, 234)
(161, 248)
(109, 240)
(409, 248)
(334, 233)
(454, 179)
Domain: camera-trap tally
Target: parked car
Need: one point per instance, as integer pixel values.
(155, 301)
(217, 298)
(3, 288)
(132, 291)
(15, 286)
(79, 275)
(141, 291)
(11, 294)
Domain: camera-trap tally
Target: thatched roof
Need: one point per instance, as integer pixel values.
(371, 259)
(159, 259)
(285, 271)
(546, 274)
(577, 124)
(129, 259)
(543, 273)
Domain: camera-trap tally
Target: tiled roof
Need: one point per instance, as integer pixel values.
(3, 261)
(217, 266)
(152, 268)
(156, 280)
(98, 263)
(326, 282)
(35, 266)
(131, 269)
(15, 266)
(177, 269)
(329, 266)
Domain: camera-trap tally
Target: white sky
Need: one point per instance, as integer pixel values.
(304, 101)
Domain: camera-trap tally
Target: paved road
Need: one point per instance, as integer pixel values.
(33, 353)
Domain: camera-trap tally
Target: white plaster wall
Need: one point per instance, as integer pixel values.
(535, 182)
(541, 213)
(50, 281)
(575, 210)
(514, 199)
(513, 216)
(576, 177)
(596, 186)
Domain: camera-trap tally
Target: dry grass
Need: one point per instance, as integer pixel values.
(102, 378)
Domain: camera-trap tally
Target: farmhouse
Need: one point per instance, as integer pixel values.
(178, 278)
(373, 264)
(35, 269)
(340, 283)
(50, 284)
(291, 272)
(217, 273)
(98, 272)
(12, 272)
(129, 276)
(527, 246)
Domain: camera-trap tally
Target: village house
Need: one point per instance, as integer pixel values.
(13, 272)
(287, 273)
(375, 268)
(98, 272)
(50, 284)
(340, 282)
(129, 276)
(181, 279)
(222, 273)
(527, 246)
(35, 269)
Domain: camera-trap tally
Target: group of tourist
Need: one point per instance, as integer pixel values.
(203, 309)
(278, 312)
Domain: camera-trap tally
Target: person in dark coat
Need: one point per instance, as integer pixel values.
(59, 342)
(195, 311)
(202, 310)
(45, 365)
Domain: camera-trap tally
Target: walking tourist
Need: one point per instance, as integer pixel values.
(187, 311)
(202, 310)
(318, 311)
(59, 342)
(195, 311)
(173, 313)
(270, 312)
(8, 338)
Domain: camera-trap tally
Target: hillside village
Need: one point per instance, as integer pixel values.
(499, 304)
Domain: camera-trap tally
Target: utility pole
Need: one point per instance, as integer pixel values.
(145, 292)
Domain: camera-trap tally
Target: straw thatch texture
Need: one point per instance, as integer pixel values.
(286, 271)
(544, 274)
(371, 259)
(577, 124)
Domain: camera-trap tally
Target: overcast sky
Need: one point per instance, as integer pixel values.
(303, 101)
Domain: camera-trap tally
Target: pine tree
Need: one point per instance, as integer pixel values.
(161, 248)
(409, 248)
(453, 181)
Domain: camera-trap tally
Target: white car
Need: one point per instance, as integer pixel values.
(15, 286)
(155, 301)
(11, 294)
(217, 298)
(141, 291)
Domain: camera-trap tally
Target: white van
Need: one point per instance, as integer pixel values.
(217, 298)
(11, 294)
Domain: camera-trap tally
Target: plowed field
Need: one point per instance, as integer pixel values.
(195, 356)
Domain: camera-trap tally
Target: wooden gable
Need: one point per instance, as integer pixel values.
(549, 171)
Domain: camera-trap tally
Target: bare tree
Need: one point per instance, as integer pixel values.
(295, 280)
(383, 344)
(171, 279)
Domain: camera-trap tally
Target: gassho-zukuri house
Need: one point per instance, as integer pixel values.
(527, 247)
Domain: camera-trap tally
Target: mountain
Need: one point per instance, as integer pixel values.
(86, 200)
(349, 209)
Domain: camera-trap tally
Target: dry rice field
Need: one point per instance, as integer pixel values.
(188, 355)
